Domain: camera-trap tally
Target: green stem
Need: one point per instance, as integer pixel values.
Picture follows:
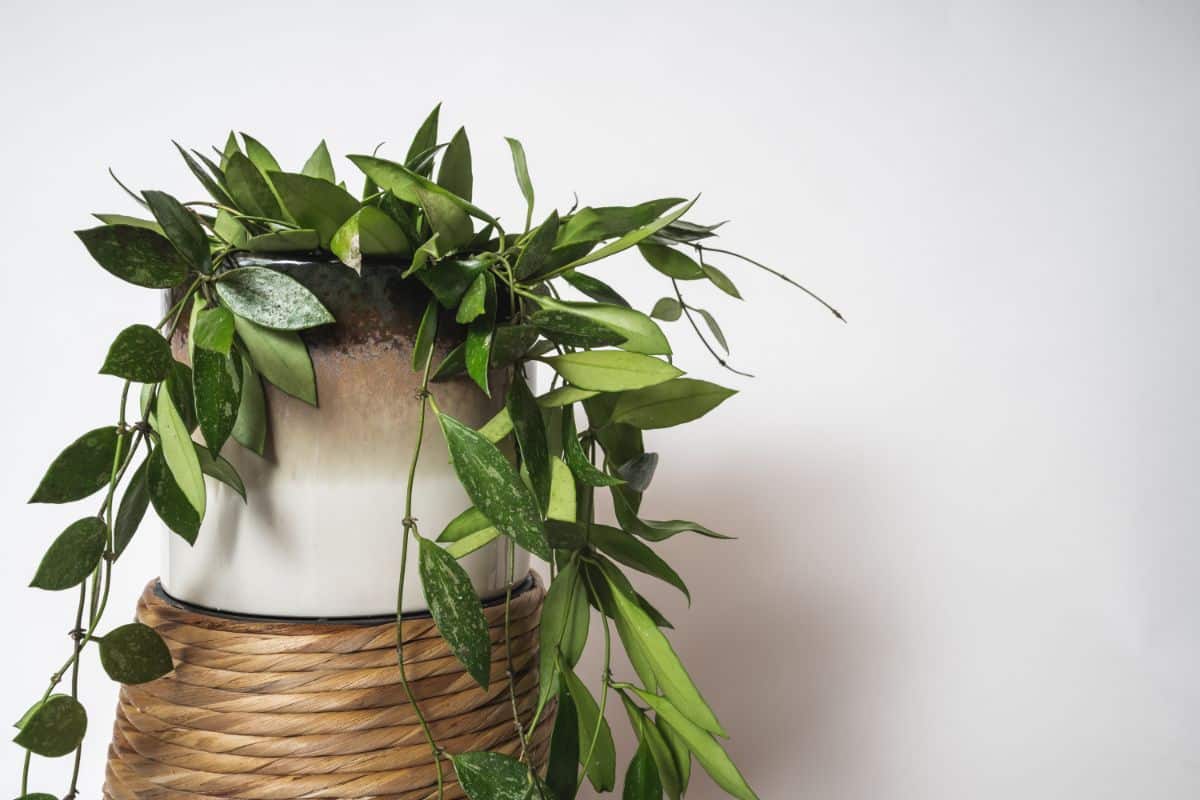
(687, 312)
(509, 672)
(701, 248)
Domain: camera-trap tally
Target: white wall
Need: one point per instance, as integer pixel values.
(966, 566)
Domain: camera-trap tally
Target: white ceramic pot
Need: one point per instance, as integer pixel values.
(321, 534)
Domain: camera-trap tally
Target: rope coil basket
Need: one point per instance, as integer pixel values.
(283, 710)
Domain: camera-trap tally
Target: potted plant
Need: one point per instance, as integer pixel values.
(430, 467)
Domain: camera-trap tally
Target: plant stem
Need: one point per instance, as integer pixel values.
(776, 273)
(410, 529)
(687, 312)
(606, 678)
(511, 547)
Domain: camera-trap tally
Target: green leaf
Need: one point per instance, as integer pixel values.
(368, 232)
(178, 450)
(425, 138)
(426, 333)
(250, 429)
(408, 186)
(314, 203)
(562, 504)
(319, 164)
(446, 218)
(214, 330)
(595, 288)
(217, 390)
(661, 756)
(611, 370)
(642, 334)
(134, 653)
(450, 278)
(472, 542)
(521, 168)
(231, 147)
(294, 241)
(496, 428)
(478, 351)
(630, 239)
(711, 321)
(577, 459)
(81, 469)
(493, 776)
(229, 230)
(213, 184)
(249, 188)
(455, 173)
(602, 769)
(535, 255)
(574, 330)
(281, 358)
(72, 556)
(563, 630)
(139, 354)
(136, 254)
(565, 395)
(494, 486)
(680, 753)
(720, 280)
(259, 155)
(671, 262)
(607, 222)
(710, 754)
(465, 524)
(271, 299)
(55, 728)
(625, 549)
(668, 309)
(474, 301)
(132, 510)
(218, 467)
(123, 219)
(655, 530)
(641, 778)
(425, 254)
(671, 403)
(181, 227)
(564, 750)
(169, 501)
(530, 434)
(638, 471)
(456, 610)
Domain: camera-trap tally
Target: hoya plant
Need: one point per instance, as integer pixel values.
(508, 287)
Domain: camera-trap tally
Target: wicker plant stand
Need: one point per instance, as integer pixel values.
(275, 710)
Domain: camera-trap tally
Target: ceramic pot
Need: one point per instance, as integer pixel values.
(321, 534)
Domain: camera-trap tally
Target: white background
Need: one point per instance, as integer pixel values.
(967, 560)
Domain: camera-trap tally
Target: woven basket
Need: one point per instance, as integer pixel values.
(275, 710)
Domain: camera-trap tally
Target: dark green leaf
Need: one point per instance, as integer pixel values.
(294, 241)
(181, 227)
(536, 253)
(493, 776)
(474, 301)
(271, 299)
(249, 189)
(710, 754)
(641, 779)
(219, 467)
(81, 469)
(574, 330)
(594, 224)
(178, 450)
(55, 728)
(511, 342)
(530, 434)
(214, 330)
(135, 254)
(478, 352)
(314, 203)
(641, 334)
(612, 371)
(250, 428)
(455, 173)
(671, 403)
(132, 510)
(211, 183)
(217, 388)
(563, 630)
(639, 470)
(72, 556)
(425, 139)
(595, 288)
(281, 358)
(456, 609)
(671, 262)
(667, 309)
(564, 750)
(450, 278)
(426, 333)
(231, 147)
(720, 280)
(581, 466)
(655, 530)
(169, 501)
(123, 219)
(657, 748)
(319, 164)
(139, 354)
(630, 239)
(408, 186)
(566, 535)
(602, 768)
(134, 653)
(626, 549)
(446, 217)
(521, 167)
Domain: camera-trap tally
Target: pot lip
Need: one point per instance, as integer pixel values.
(363, 621)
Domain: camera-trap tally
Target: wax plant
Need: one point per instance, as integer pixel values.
(614, 380)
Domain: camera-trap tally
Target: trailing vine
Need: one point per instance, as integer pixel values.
(506, 290)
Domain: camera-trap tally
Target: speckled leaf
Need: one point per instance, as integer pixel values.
(72, 556)
(612, 371)
(214, 330)
(602, 768)
(217, 384)
(671, 403)
(530, 434)
(595, 288)
(455, 172)
(271, 299)
(281, 358)
(493, 776)
(671, 262)
(169, 501)
(640, 333)
(136, 254)
(134, 653)
(177, 449)
(494, 486)
(249, 189)
(314, 203)
(457, 610)
(55, 728)
(319, 164)
(574, 330)
(250, 429)
(181, 227)
(81, 469)
(139, 354)
(132, 510)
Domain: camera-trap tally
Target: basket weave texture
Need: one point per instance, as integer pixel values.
(282, 710)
